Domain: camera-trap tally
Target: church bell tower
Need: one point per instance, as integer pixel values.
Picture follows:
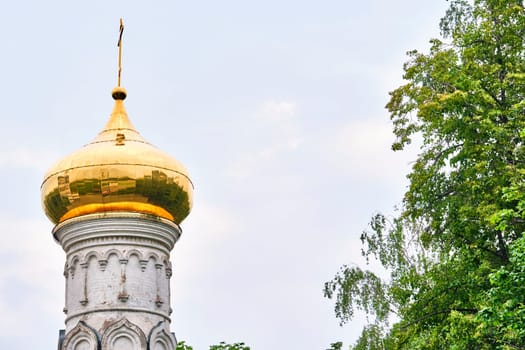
(117, 204)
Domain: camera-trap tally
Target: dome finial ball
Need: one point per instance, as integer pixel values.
(119, 93)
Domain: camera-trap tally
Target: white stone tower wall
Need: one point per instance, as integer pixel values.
(117, 274)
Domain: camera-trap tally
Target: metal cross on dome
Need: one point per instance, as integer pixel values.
(119, 44)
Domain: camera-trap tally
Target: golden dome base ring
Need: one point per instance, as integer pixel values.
(143, 208)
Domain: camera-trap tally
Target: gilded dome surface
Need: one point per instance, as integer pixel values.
(117, 171)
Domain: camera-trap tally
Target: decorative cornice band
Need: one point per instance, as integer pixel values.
(118, 309)
(117, 226)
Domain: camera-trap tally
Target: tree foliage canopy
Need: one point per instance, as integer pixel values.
(454, 250)
(221, 346)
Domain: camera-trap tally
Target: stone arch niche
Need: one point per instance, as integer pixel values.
(123, 335)
(160, 338)
(82, 337)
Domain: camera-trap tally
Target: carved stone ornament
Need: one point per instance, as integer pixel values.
(82, 337)
(123, 335)
(160, 338)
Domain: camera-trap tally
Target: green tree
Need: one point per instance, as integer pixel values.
(502, 318)
(336, 346)
(183, 346)
(447, 248)
(224, 346)
(221, 346)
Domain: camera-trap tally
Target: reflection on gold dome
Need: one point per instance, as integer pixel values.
(117, 171)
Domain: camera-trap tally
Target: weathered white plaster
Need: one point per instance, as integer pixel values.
(117, 275)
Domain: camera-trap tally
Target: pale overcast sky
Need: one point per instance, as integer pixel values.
(276, 108)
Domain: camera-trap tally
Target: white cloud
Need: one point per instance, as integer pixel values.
(275, 131)
(277, 111)
(31, 282)
(363, 149)
(208, 228)
(27, 158)
(214, 222)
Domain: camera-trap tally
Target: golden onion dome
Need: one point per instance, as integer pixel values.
(117, 171)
